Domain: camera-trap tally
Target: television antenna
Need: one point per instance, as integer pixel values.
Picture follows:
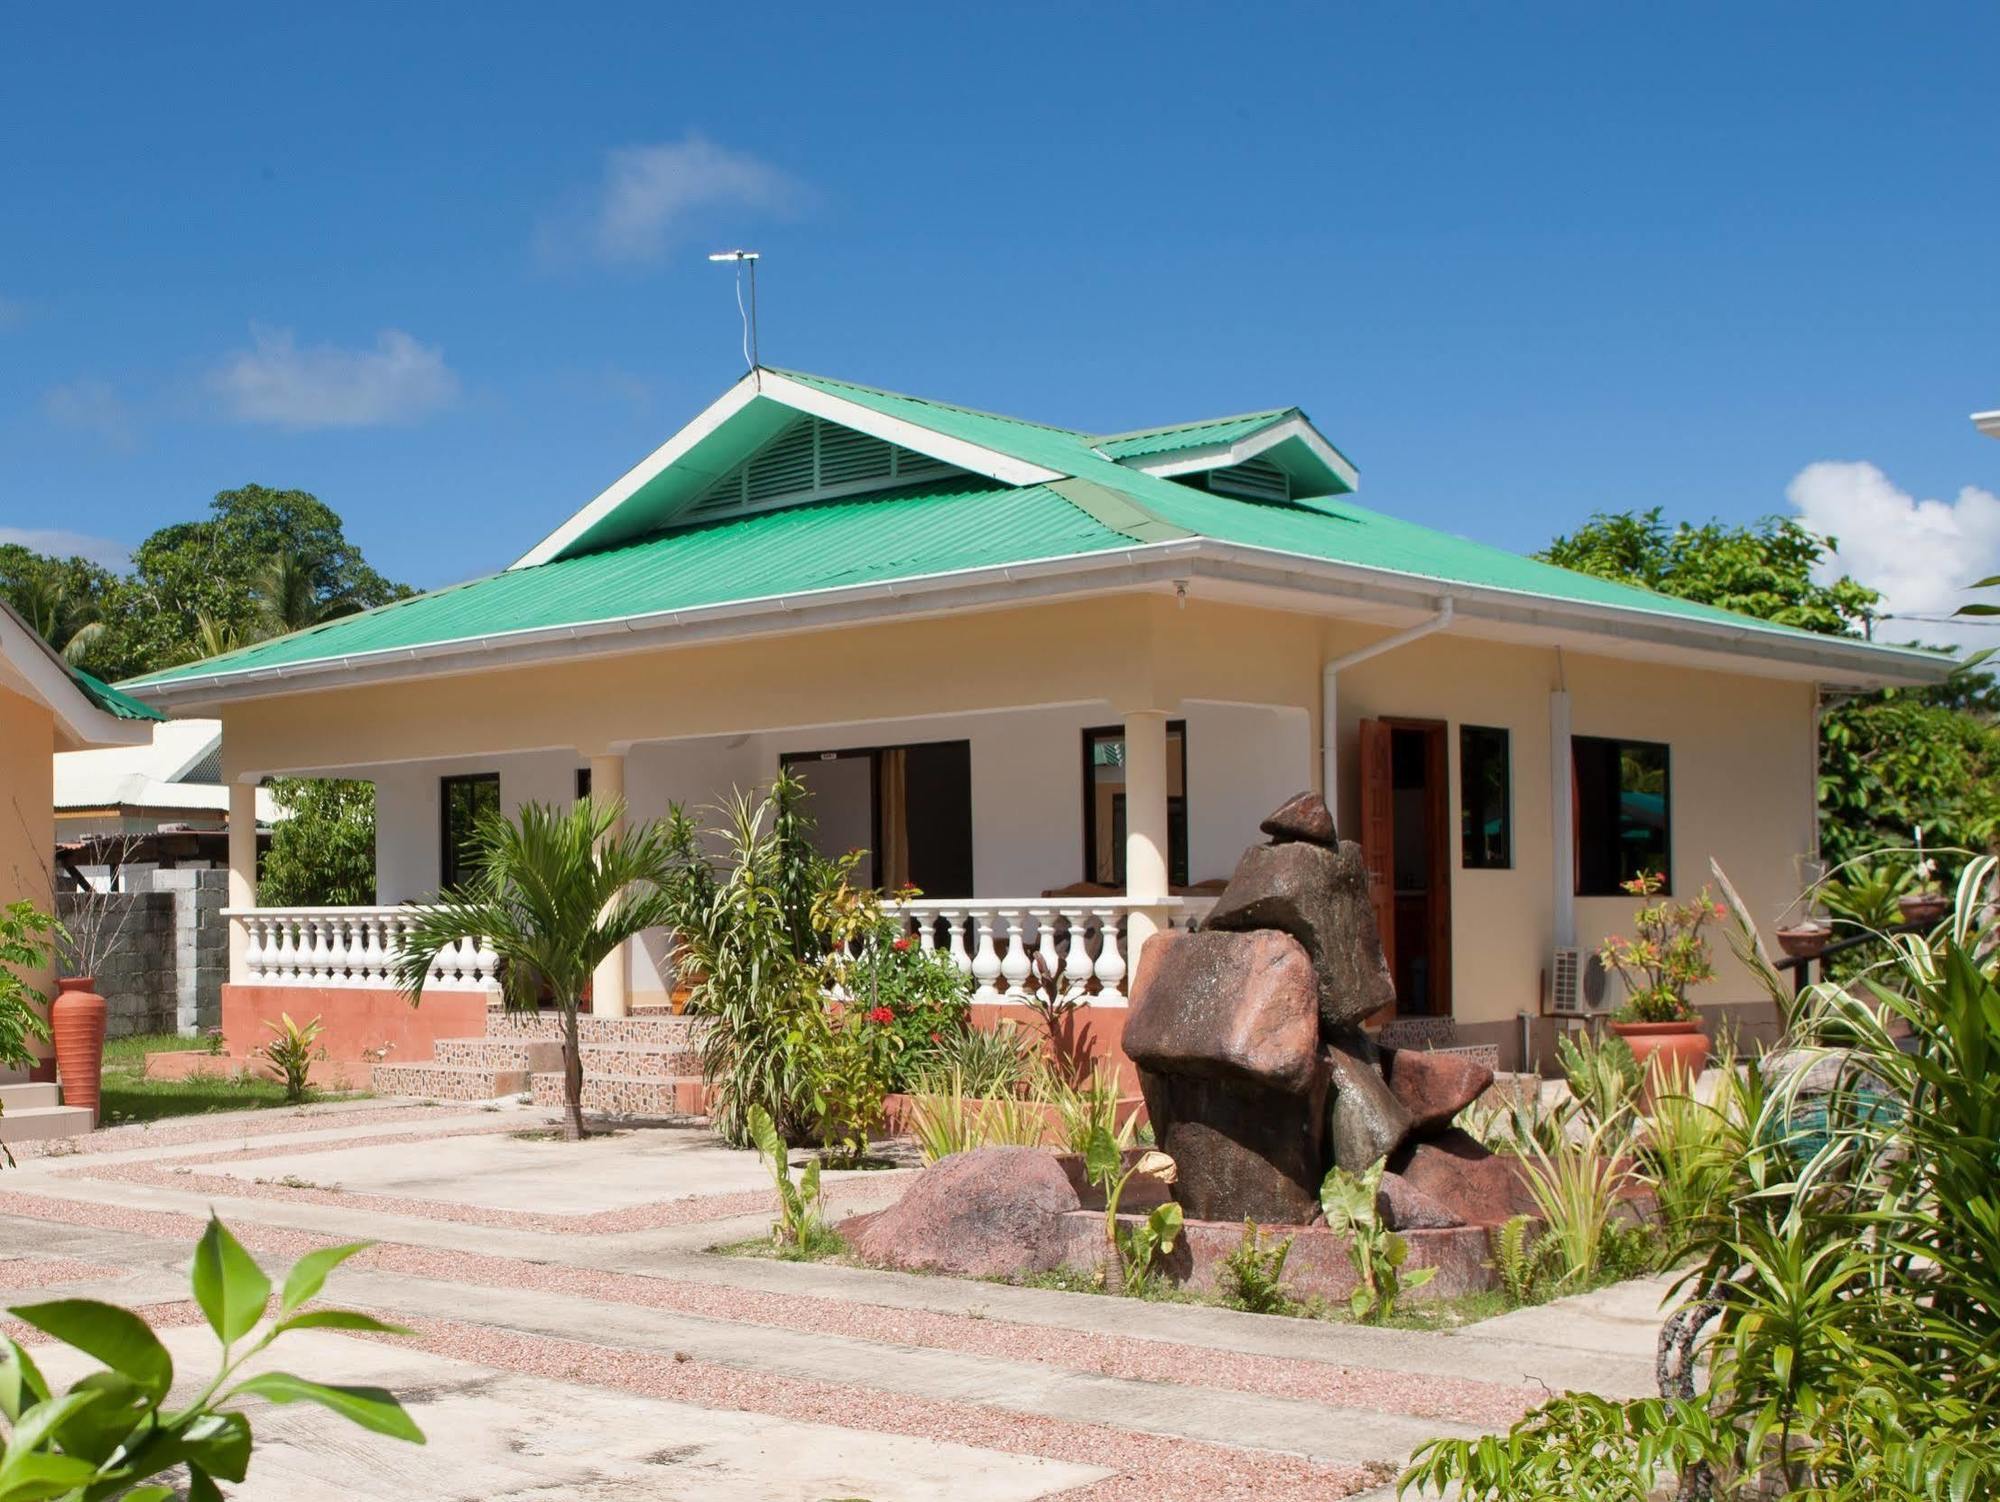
(748, 315)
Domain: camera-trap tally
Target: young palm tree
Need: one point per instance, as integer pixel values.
(556, 892)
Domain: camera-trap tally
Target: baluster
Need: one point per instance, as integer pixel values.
(278, 964)
(1014, 962)
(1110, 963)
(985, 961)
(309, 951)
(1076, 965)
(486, 970)
(926, 931)
(1045, 944)
(955, 928)
(253, 949)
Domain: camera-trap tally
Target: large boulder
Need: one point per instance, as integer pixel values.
(1225, 1006)
(992, 1212)
(1404, 1207)
(1365, 1120)
(1303, 816)
(1434, 1087)
(1318, 895)
(1242, 1150)
(1456, 1171)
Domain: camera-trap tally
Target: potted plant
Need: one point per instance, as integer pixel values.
(26, 941)
(91, 931)
(1925, 904)
(1666, 955)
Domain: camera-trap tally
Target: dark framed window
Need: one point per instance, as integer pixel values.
(462, 801)
(582, 783)
(907, 808)
(1104, 805)
(1624, 813)
(1485, 799)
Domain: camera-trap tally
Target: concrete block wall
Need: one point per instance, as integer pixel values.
(165, 973)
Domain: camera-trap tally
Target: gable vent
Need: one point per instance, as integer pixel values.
(809, 460)
(1253, 479)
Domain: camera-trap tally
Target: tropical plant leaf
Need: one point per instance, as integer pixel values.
(373, 1408)
(228, 1284)
(117, 1337)
(308, 1275)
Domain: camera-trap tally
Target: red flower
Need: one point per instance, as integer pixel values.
(881, 1014)
(937, 1037)
(902, 943)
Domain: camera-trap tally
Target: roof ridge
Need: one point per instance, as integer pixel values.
(928, 401)
(1273, 413)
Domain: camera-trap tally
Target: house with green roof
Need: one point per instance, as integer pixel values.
(1054, 678)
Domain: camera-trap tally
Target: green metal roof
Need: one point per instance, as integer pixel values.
(967, 522)
(110, 700)
(1145, 442)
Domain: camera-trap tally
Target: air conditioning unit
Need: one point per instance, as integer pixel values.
(1576, 982)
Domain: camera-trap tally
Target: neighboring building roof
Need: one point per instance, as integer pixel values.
(179, 770)
(1987, 423)
(87, 712)
(1026, 497)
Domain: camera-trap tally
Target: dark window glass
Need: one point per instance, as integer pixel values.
(464, 801)
(1623, 813)
(1104, 805)
(1485, 799)
(582, 783)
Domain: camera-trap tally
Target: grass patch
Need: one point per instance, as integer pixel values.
(826, 1247)
(129, 1097)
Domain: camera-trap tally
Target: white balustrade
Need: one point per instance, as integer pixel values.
(352, 947)
(1004, 946)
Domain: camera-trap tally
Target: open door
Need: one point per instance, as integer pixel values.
(1378, 829)
(1406, 843)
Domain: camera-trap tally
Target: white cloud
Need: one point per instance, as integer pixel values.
(275, 381)
(1921, 554)
(653, 196)
(94, 407)
(60, 544)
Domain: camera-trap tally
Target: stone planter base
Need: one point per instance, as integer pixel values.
(199, 1063)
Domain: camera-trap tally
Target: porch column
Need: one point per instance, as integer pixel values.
(608, 985)
(1145, 826)
(242, 873)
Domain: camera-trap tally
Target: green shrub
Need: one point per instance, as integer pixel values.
(1133, 1249)
(1521, 1258)
(292, 1053)
(1000, 1060)
(925, 998)
(27, 940)
(111, 1432)
(1252, 1276)
(1604, 1080)
(801, 1229)
(1577, 1188)
(855, 1063)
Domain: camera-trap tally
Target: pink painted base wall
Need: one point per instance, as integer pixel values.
(356, 1026)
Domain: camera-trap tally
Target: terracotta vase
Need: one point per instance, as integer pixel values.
(1660, 1046)
(1923, 909)
(1805, 941)
(76, 1018)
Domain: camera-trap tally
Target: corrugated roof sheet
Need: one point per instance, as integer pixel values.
(110, 700)
(1189, 435)
(953, 524)
(946, 526)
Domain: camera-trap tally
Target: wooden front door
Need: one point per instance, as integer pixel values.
(1406, 843)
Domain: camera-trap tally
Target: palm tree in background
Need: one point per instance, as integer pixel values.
(555, 892)
(287, 598)
(70, 625)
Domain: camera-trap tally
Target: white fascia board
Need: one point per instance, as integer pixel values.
(1144, 564)
(1222, 455)
(910, 435)
(801, 398)
(1987, 423)
(78, 721)
(627, 485)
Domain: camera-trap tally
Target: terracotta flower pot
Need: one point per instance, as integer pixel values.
(1923, 909)
(1805, 941)
(1659, 1046)
(76, 1018)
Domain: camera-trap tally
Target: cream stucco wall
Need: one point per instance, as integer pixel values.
(27, 801)
(1021, 683)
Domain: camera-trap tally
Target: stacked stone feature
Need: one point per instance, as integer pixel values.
(1257, 1072)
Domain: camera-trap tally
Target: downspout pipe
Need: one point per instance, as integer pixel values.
(1329, 697)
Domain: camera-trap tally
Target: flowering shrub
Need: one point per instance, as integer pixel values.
(855, 1063)
(1666, 955)
(917, 994)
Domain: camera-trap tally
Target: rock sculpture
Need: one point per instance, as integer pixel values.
(1257, 1073)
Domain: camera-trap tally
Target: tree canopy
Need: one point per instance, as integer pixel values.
(1889, 761)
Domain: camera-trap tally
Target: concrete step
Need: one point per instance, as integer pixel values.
(449, 1081)
(39, 1123)
(635, 1060)
(525, 1054)
(655, 1030)
(29, 1097)
(628, 1095)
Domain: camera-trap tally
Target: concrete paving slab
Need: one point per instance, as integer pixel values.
(498, 1436)
(616, 1171)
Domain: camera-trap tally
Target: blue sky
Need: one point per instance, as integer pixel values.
(444, 265)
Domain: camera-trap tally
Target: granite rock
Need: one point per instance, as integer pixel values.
(1455, 1170)
(992, 1212)
(1434, 1087)
(1241, 1149)
(1225, 1005)
(1365, 1120)
(1302, 817)
(1319, 896)
(1404, 1207)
